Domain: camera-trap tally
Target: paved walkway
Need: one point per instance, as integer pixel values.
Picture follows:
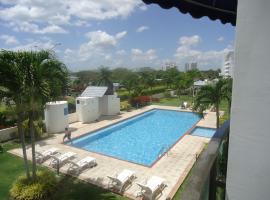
(173, 167)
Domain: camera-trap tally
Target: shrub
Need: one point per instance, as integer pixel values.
(42, 188)
(141, 101)
(125, 106)
(39, 127)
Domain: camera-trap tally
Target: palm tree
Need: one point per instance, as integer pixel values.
(105, 79)
(12, 83)
(46, 80)
(131, 82)
(211, 95)
(227, 89)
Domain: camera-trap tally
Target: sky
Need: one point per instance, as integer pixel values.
(87, 34)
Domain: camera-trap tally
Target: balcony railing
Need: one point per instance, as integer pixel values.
(209, 171)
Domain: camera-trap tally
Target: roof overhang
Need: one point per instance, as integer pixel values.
(224, 10)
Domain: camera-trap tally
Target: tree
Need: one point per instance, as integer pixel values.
(130, 82)
(227, 89)
(30, 79)
(12, 83)
(45, 80)
(105, 79)
(211, 95)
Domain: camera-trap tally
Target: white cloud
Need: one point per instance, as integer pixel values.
(34, 28)
(143, 7)
(121, 52)
(142, 28)
(35, 45)
(121, 34)
(139, 55)
(52, 14)
(100, 44)
(9, 39)
(186, 52)
(220, 39)
(189, 41)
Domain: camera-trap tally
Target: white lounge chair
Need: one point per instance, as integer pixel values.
(85, 162)
(122, 179)
(152, 187)
(61, 158)
(41, 156)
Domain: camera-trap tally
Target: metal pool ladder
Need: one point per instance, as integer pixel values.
(163, 148)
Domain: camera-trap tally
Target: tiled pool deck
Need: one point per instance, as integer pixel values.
(173, 167)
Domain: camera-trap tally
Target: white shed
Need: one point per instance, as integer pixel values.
(87, 109)
(108, 104)
(56, 116)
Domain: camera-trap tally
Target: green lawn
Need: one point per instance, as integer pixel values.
(68, 189)
(174, 101)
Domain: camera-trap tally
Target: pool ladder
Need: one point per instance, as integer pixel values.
(161, 151)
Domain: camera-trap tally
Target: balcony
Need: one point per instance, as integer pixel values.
(208, 175)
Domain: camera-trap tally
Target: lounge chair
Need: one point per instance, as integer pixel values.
(85, 162)
(61, 158)
(152, 187)
(41, 156)
(122, 179)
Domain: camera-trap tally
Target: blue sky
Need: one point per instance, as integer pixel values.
(119, 33)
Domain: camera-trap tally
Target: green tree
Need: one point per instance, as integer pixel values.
(12, 84)
(30, 79)
(211, 95)
(130, 82)
(46, 80)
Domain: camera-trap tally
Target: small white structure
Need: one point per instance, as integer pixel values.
(87, 109)
(94, 102)
(56, 116)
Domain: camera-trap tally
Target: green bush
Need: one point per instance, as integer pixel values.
(42, 188)
(125, 106)
(39, 127)
(146, 92)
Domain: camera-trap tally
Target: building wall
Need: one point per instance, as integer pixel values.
(248, 176)
(228, 64)
(8, 133)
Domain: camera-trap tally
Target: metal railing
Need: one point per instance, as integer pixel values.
(203, 181)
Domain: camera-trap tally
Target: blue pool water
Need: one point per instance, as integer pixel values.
(141, 139)
(204, 132)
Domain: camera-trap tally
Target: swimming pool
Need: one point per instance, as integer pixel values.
(204, 132)
(141, 139)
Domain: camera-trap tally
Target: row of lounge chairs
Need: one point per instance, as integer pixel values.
(149, 188)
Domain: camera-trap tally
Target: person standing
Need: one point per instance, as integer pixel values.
(67, 134)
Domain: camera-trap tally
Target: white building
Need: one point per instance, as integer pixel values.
(228, 65)
(191, 66)
(96, 101)
(169, 65)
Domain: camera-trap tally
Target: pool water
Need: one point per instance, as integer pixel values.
(204, 132)
(141, 139)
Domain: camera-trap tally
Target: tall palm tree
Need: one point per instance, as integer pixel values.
(105, 79)
(46, 79)
(227, 89)
(12, 83)
(210, 95)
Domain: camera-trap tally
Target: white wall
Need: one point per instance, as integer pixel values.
(73, 117)
(248, 176)
(110, 105)
(8, 133)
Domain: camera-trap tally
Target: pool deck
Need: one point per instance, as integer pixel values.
(173, 166)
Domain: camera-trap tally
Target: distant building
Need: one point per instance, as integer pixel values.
(169, 65)
(191, 66)
(228, 65)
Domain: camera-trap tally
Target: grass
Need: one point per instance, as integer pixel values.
(10, 168)
(174, 101)
(69, 188)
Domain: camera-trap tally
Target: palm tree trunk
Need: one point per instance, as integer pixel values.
(22, 138)
(217, 115)
(32, 133)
